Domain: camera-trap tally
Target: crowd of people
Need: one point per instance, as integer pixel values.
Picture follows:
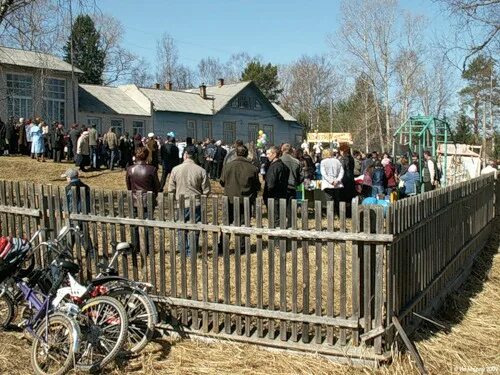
(244, 171)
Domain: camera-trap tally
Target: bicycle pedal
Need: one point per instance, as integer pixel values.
(23, 324)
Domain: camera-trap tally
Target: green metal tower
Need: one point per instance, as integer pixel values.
(420, 133)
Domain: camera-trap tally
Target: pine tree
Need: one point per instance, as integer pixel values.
(463, 132)
(88, 54)
(265, 77)
(478, 76)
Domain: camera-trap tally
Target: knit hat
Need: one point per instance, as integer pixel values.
(151, 135)
(412, 168)
(70, 172)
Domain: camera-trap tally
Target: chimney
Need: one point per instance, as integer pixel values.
(220, 82)
(168, 86)
(157, 86)
(203, 91)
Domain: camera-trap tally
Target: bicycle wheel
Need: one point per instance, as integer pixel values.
(142, 316)
(7, 310)
(103, 324)
(54, 345)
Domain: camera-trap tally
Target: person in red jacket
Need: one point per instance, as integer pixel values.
(390, 175)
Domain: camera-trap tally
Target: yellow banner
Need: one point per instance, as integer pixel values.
(329, 137)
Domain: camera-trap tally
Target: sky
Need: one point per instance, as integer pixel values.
(279, 31)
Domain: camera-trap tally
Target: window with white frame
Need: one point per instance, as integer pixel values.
(191, 129)
(117, 123)
(206, 129)
(54, 99)
(19, 95)
(137, 128)
(97, 121)
(228, 132)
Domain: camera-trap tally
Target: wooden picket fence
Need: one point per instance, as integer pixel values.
(321, 282)
(437, 236)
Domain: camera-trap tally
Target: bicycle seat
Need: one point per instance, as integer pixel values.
(124, 247)
(71, 267)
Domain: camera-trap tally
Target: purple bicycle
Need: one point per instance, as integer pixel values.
(56, 334)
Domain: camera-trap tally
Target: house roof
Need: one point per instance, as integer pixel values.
(32, 59)
(286, 116)
(178, 101)
(105, 99)
(190, 100)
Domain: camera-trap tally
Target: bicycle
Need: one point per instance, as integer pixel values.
(102, 320)
(140, 308)
(53, 327)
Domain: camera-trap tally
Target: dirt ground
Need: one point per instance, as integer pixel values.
(469, 345)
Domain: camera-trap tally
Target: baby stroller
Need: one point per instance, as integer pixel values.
(13, 253)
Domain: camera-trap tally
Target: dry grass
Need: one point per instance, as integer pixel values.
(22, 168)
(471, 346)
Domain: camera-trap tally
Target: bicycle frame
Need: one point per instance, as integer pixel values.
(42, 310)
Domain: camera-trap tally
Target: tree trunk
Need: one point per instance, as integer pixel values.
(476, 116)
(365, 105)
(491, 116)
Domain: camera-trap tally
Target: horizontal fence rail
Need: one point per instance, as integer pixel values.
(319, 280)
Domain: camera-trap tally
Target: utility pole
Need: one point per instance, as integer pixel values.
(484, 134)
(72, 63)
(331, 122)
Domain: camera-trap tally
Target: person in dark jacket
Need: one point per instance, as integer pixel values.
(192, 149)
(58, 142)
(209, 154)
(240, 178)
(348, 191)
(73, 179)
(74, 198)
(306, 165)
(3, 145)
(276, 181)
(169, 155)
(142, 178)
(378, 180)
(74, 134)
(294, 177)
(11, 136)
(126, 150)
(220, 155)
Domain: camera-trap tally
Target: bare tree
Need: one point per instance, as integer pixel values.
(141, 74)
(209, 70)
(478, 24)
(235, 66)
(308, 84)
(435, 86)
(119, 62)
(368, 35)
(408, 63)
(184, 77)
(38, 26)
(167, 59)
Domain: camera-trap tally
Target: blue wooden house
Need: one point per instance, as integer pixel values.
(224, 112)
